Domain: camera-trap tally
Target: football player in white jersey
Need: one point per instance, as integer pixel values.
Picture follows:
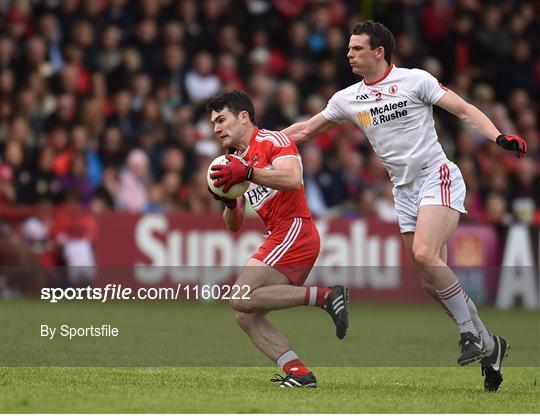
(393, 107)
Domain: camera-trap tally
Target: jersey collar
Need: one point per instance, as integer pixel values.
(253, 135)
(370, 84)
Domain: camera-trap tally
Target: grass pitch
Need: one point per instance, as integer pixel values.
(246, 390)
(189, 357)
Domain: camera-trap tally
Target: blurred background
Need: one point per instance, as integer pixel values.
(102, 109)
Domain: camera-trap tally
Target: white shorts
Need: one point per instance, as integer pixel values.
(442, 186)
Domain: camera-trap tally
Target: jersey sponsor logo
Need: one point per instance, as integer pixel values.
(258, 195)
(362, 97)
(388, 112)
(393, 89)
(376, 111)
(365, 119)
(382, 114)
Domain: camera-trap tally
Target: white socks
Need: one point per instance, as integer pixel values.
(286, 357)
(453, 299)
(479, 325)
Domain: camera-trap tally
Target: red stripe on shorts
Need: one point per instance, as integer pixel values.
(444, 176)
(449, 186)
(441, 177)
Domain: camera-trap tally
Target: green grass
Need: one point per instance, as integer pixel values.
(246, 390)
(190, 357)
(182, 334)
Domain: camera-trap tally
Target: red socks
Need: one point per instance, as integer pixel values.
(290, 363)
(315, 296)
(295, 367)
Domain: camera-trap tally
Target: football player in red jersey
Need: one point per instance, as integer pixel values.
(276, 272)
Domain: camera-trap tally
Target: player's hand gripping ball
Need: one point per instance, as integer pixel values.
(227, 176)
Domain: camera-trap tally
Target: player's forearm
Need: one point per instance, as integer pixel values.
(480, 122)
(298, 132)
(280, 179)
(234, 218)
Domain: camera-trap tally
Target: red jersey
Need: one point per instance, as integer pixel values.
(273, 206)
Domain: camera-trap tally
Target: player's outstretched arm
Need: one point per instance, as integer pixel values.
(233, 216)
(305, 131)
(456, 105)
(286, 175)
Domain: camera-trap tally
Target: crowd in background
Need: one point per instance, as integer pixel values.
(102, 101)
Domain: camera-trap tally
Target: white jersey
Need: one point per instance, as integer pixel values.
(396, 115)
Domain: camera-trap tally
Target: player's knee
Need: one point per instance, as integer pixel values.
(245, 321)
(242, 305)
(424, 256)
(236, 304)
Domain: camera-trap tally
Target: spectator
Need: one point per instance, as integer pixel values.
(110, 57)
(312, 163)
(142, 87)
(50, 30)
(22, 176)
(37, 234)
(122, 117)
(201, 81)
(75, 232)
(171, 183)
(82, 147)
(33, 60)
(134, 180)
(7, 52)
(156, 202)
(228, 72)
(493, 42)
(173, 70)
(112, 148)
(75, 181)
(145, 40)
(46, 184)
(521, 75)
(286, 108)
(457, 48)
(435, 21)
(496, 209)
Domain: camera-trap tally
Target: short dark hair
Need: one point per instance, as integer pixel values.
(379, 35)
(236, 101)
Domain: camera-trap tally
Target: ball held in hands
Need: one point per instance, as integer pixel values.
(229, 203)
(228, 176)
